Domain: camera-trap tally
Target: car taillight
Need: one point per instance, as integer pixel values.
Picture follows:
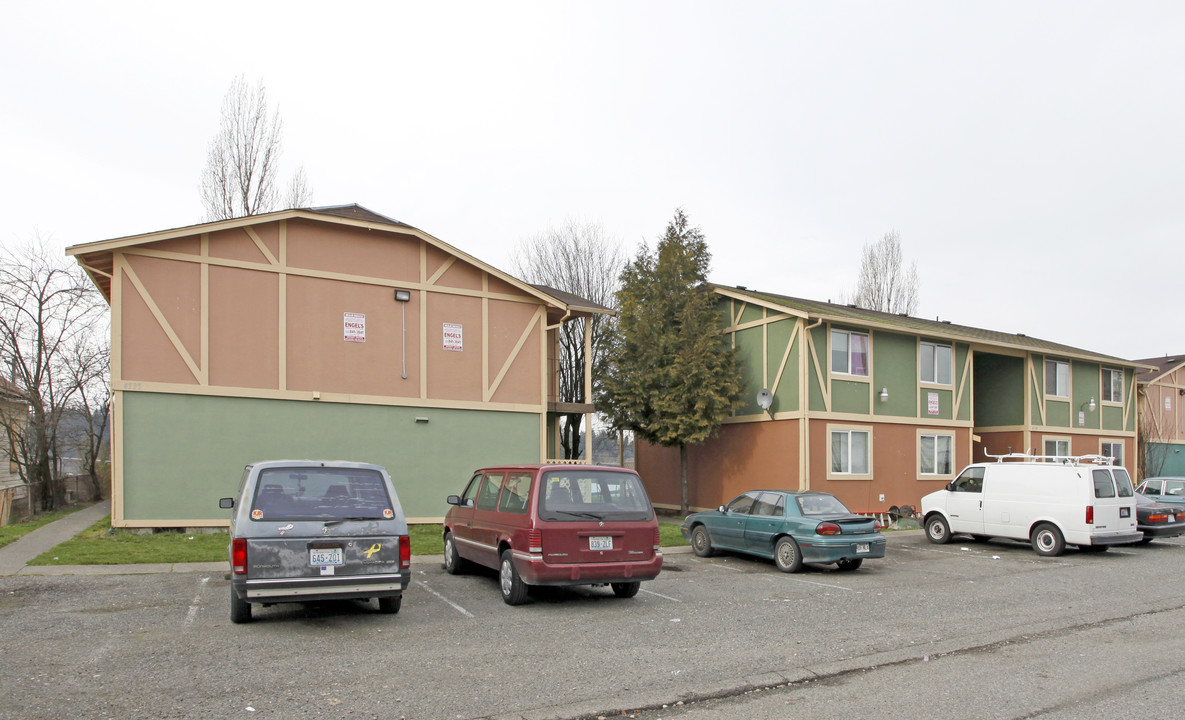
(1090, 514)
(238, 556)
(657, 540)
(828, 528)
(1158, 518)
(535, 541)
(404, 552)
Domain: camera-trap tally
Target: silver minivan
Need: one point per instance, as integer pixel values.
(311, 530)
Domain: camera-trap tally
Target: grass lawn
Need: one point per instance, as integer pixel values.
(15, 531)
(100, 545)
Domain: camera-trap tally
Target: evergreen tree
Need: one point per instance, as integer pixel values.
(670, 376)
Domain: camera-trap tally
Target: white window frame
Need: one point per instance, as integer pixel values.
(933, 348)
(832, 431)
(1057, 441)
(848, 367)
(1107, 452)
(1057, 375)
(1107, 382)
(936, 434)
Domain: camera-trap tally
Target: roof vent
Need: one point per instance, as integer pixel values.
(946, 322)
(741, 287)
(902, 314)
(1021, 335)
(851, 305)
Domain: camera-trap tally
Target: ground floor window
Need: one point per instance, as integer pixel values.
(1112, 449)
(1057, 447)
(850, 452)
(936, 454)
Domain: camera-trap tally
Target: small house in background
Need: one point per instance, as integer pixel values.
(1161, 392)
(881, 409)
(326, 333)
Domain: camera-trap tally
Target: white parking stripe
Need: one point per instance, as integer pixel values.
(726, 567)
(193, 608)
(450, 603)
(664, 597)
(812, 582)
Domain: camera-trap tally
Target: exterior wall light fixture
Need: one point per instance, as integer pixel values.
(1090, 404)
(884, 394)
(403, 297)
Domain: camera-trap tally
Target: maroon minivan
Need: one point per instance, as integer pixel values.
(554, 525)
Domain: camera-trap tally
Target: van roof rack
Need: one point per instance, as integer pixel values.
(1064, 459)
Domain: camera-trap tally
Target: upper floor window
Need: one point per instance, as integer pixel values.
(1112, 385)
(1057, 378)
(849, 353)
(936, 363)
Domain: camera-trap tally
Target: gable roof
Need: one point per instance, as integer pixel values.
(96, 257)
(1160, 367)
(938, 329)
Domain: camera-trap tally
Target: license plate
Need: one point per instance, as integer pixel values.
(861, 548)
(600, 543)
(325, 556)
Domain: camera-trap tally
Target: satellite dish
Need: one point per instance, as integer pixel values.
(765, 399)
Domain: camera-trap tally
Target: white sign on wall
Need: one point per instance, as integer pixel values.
(354, 327)
(1168, 403)
(932, 403)
(453, 337)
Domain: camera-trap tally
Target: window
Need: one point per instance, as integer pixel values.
(487, 497)
(1057, 378)
(936, 454)
(970, 481)
(1112, 385)
(821, 504)
(1153, 487)
(579, 495)
(1123, 482)
(1112, 450)
(849, 353)
(935, 363)
(514, 493)
(849, 452)
(768, 505)
(742, 505)
(1103, 485)
(320, 494)
(1057, 448)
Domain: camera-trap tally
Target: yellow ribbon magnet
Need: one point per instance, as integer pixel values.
(372, 550)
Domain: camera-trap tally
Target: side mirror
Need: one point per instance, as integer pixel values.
(721, 509)
(226, 503)
(453, 500)
(950, 486)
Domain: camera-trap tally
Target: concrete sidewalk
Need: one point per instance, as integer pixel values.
(15, 556)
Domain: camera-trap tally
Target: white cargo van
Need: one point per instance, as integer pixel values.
(1049, 501)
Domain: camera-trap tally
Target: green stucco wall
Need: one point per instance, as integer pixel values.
(1172, 458)
(183, 452)
(786, 399)
(748, 345)
(849, 397)
(895, 368)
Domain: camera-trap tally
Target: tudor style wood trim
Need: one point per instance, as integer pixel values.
(198, 373)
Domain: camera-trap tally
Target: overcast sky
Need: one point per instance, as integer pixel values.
(1030, 154)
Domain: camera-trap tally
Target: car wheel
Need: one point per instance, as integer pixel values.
(850, 564)
(240, 609)
(514, 590)
(626, 589)
(453, 564)
(938, 530)
(1047, 540)
(390, 605)
(701, 542)
(787, 555)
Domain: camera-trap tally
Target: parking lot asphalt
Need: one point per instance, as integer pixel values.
(706, 629)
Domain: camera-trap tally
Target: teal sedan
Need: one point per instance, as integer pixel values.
(788, 527)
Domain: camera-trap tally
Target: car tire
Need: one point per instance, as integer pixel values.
(849, 564)
(453, 563)
(701, 542)
(514, 590)
(626, 589)
(390, 605)
(938, 530)
(240, 609)
(787, 556)
(1048, 541)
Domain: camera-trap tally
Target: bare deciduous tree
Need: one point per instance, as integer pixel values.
(578, 258)
(884, 283)
(243, 158)
(87, 364)
(47, 307)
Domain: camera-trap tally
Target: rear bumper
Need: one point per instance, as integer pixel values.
(534, 571)
(1163, 531)
(276, 590)
(1123, 539)
(829, 549)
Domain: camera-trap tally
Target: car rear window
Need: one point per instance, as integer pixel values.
(1103, 486)
(321, 494)
(1123, 481)
(578, 495)
(821, 505)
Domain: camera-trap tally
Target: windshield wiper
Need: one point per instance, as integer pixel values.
(594, 516)
(330, 523)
